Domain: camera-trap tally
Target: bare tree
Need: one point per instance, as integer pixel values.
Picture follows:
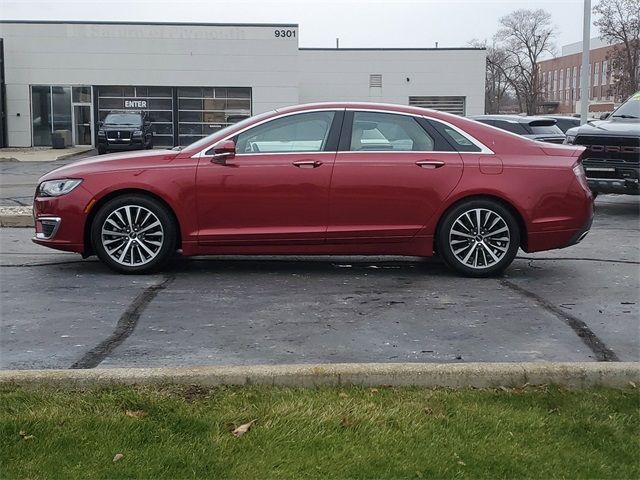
(496, 82)
(619, 23)
(526, 35)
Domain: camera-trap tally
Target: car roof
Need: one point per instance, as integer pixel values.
(510, 118)
(564, 117)
(355, 105)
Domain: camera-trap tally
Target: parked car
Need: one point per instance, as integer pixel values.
(564, 122)
(542, 129)
(612, 160)
(331, 178)
(124, 131)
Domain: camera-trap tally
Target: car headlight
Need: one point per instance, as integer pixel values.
(102, 133)
(137, 133)
(569, 139)
(55, 188)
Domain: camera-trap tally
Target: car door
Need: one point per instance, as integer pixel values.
(276, 187)
(390, 176)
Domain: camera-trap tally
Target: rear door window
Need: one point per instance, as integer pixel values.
(374, 131)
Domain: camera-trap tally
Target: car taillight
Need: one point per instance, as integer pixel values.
(581, 176)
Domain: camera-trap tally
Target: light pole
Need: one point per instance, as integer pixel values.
(584, 74)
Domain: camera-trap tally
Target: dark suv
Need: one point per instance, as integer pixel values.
(124, 131)
(612, 159)
(542, 129)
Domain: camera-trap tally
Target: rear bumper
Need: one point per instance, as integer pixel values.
(554, 239)
(628, 186)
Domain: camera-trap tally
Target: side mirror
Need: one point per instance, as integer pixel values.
(223, 151)
(100, 123)
(147, 123)
(604, 116)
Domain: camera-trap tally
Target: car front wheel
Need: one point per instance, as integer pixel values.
(479, 238)
(134, 234)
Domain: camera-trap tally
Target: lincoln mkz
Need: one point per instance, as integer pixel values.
(324, 179)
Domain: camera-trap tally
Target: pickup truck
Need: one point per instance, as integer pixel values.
(612, 158)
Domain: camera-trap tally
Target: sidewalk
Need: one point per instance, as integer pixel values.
(40, 154)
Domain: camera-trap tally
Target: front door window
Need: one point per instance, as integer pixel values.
(305, 132)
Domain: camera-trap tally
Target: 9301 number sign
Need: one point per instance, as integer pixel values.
(284, 33)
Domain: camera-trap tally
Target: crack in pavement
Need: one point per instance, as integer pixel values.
(124, 328)
(581, 329)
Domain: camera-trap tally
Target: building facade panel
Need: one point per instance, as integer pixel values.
(192, 79)
(344, 74)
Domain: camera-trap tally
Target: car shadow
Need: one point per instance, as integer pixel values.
(309, 265)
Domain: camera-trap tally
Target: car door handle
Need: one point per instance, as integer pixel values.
(307, 163)
(430, 163)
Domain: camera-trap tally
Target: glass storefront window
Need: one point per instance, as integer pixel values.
(81, 94)
(61, 97)
(198, 111)
(204, 110)
(51, 111)
(41, 115)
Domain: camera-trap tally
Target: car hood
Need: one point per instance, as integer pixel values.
(613, 127)
(115, 161)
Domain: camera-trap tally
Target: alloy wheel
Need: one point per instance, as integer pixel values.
(132, 235)
(479, 238)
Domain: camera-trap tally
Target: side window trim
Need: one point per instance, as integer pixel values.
(345, 134)
(333, 139)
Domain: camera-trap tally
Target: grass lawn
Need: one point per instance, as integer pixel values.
(324, 433)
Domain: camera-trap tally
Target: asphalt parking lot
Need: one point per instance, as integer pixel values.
(576, 304)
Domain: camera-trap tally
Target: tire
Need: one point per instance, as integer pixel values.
(478, 254)
(101, 150)
(118, 242)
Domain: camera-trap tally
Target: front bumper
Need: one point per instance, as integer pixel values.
(60, 221)
(135, 144)
(627, 186)
(612, 177)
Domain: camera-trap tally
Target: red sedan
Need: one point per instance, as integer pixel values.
(335, 178)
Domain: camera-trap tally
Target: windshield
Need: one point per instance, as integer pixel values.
(123, 119)
(223, 131)
(630, 108)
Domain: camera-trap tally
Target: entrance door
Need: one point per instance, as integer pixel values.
(82, 116)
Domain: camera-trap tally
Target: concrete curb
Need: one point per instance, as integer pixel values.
(5, 156)
(16, 217)
(459, 375)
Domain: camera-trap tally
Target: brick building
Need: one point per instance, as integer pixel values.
(560, 79)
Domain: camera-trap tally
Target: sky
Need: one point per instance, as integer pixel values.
(358, 23)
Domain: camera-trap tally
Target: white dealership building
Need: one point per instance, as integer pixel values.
(193, 79)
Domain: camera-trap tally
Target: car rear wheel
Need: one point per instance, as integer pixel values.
(479, 238)
(134, 234)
